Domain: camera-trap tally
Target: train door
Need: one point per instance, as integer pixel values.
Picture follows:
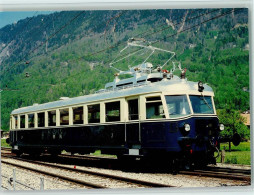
(133, 127)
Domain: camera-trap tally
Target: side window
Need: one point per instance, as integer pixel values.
(113, 111)
(16, 122)
(154, 108)
(78, 115)
(41, 119)
(133, 109)
(52, 118)
(30, 120)
(22, 121)
(94, 113)
(64, 116)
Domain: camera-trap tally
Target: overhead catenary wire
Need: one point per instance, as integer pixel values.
(95, 26)
(218, 16)
(121, 43)
(201, 15)
(24, 26)
(111, 47)
(50, 37)
(196, 25)
(113, 18)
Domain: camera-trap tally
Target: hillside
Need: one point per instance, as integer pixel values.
(68, 53)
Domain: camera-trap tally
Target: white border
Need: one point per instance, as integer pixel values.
(46, 5)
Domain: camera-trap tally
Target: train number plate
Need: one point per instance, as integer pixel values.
(133, 151)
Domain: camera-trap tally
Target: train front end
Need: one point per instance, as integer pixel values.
(196, 125)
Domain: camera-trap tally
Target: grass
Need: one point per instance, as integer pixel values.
(243, 146)
(240, 154)
(98, 153)
(4, 144)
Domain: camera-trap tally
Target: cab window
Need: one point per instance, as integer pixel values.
(154, 108)
(177, 105)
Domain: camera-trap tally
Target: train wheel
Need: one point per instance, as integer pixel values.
(34, 154)
(200, 164)
(19, 153)
(175, 166)
(121, 158)
(55, 153)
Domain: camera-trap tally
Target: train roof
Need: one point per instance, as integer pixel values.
(172, 86)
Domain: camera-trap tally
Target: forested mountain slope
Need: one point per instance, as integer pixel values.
(68, 53)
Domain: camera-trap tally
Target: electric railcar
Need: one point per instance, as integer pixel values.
(152, 114)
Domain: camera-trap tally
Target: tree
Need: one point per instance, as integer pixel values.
(234, 123)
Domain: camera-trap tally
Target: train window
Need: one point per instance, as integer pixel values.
(177, 105)
(52, 118)
(94, 113)
(157, 98)
(41, 119)
(16, 122)
(154, 108)
(201, 104)
(78, 115)
(64, 116)
(11, 127)
(22, 121)
(133, 109)
(113, 111)
(30, 120)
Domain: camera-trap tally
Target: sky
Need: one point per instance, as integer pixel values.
(11, 17)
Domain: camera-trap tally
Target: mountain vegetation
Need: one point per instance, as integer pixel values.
(68, 53)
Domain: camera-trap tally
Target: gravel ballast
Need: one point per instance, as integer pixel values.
(33, 179)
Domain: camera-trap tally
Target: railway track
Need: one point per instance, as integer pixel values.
(218, 174)
(100, 176)
(229, 170)
(214, 172)
(75, 181)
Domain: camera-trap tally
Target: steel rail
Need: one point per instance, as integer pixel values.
(213, 174)
(228, 170)
(19, 182)
(104, 175)
(91, 185)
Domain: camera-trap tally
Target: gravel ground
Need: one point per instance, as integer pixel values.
(248, 167)
(33, 179)
(108, 183)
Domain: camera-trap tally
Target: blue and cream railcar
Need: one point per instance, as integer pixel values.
(155, 116)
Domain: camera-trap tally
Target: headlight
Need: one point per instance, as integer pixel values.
(187, 127)
(200, 86)
(222, 127)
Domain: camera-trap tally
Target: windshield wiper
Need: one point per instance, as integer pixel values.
(203, 98)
